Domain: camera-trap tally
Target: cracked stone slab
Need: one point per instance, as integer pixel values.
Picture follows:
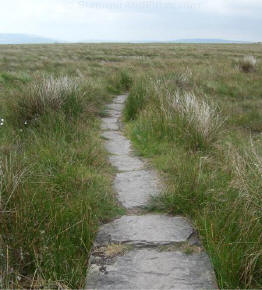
(120, 99)
(113, 113)
(126, 163)
(145, 230)
(153, 269)
(110, 124)
(116, 106)
(135, 188)
(117, 144)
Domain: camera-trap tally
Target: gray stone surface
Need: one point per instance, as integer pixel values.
(116, 107)
(113, 113)
(152, 269)
(116, 144)
(120, 99)
(135, 188)
(126, 162)
(110, 124)
(145, 230)
(127, 251)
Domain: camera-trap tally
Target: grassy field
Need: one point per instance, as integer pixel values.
(194, 110)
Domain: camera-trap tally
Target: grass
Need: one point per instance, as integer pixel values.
(212, 175)
(192, 110)
(56, 186)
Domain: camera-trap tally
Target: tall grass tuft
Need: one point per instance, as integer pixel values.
(248, 179)
(45, 94)
(200, 119)
(248, 63)
(180, 113)
(136, 99)
(242, 229)
(120, 81)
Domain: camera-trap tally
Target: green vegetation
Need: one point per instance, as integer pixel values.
(56, 182)
(212, 171)
(194, 110)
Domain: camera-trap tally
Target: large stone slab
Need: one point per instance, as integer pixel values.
(126, 163)
(113, 113)
(152, 269)
(145, 230)
(111, 123)
(117, 143)
(116, 106)
(135, 188)
(120, 99)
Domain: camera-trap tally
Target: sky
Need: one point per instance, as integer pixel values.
(133, 20)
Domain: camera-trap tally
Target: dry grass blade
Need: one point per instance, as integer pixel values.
(11, 178)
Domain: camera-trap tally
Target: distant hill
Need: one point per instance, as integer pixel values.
(186, 40)
(208, 40)
(14, 38)
(192, 40)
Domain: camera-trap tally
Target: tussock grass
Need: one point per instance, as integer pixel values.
(248, 63)
(180, 113)
(120, 81)
(199, 119)
(45, 94)
(136, 99)
(247, 168)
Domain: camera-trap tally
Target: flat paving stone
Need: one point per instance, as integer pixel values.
(116, 107)
(120, 99)
(110, 124)
(126, 163)
(135, 188)
(152, 269)
(117, 144)
(145, 230)
(113, 113)
(127, 251)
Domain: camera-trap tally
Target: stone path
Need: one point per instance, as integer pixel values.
(149, 251)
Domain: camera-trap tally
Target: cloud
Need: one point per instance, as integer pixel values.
(231, 7)
(124, 20)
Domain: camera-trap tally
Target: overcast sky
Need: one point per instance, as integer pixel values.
(127, 20)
